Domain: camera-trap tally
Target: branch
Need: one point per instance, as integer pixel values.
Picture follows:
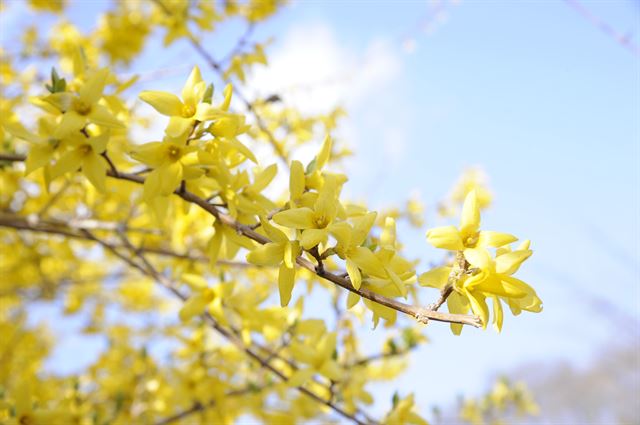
(53, 227)
(421, 314)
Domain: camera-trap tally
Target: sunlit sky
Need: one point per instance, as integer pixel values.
(535, 93)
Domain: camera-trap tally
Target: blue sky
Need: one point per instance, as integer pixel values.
(531, 91)
(549, 106)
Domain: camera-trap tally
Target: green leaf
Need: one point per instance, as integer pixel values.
(208, 94)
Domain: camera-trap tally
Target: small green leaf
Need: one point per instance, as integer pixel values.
(208, 94)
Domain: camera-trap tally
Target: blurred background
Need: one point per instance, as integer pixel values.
(544, 97)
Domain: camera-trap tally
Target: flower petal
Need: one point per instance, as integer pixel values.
(70, 123)
(494, 239)
(163, 102)
(92, 90)
(270, 254)
(95, 167)
(286, 280)
(295, 218)
(470, 218)
(68, 162)
(436, 277)
(189, 91)
(312, 237)
(510, 262)
(478, 257)
(354, 274)
(446, 237)
(102, 116)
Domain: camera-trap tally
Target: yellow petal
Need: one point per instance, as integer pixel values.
(102, 116)
(498, 314)
(286, 280)
(354, 274)
(17, 130)
(435, 278)
(179, 127)
(361, 228)
(367, 261)
(69, 162)
(470, 219)
(71, 122)
(165, 103)
(313, 237)
(91, 91)
(299, 377)
(495, 239)
(446, 237)
(95, 167)
(352, 299)
(39, 156)
(99, 143)
(327, 345)
(302, 352)
(296, 180)
(291, 252)
(295, 218)
(263, 178)
(190, 90)
(196, 304)
(510, 262)
(151, 153)
(234, 143)
(478, 257)
(153, 184)
(270, 254)
(228, 91)
(332, 371)
(478, 306)
(274, 233)
(170, 177)
(206, 112)
(326, 205)
(396, 281)
(342, 232)
(324, 154)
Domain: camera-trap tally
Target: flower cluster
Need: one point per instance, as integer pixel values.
(478, 275)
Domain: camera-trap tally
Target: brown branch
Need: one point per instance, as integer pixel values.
(53, 227)
(421, 314)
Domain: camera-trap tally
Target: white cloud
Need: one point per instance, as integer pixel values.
(314, 70)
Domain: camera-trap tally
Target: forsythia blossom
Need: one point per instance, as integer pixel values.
(484, 277)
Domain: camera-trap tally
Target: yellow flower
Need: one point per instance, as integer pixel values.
(350, 238)
(184, 113)
(469, 234)
(403, 413)
(319, 358)
(86, 154)
(316, 223)
(82, 107)
(42, 146)
(169, 163)
(197, 303)
(281, 252)
(491, 278)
